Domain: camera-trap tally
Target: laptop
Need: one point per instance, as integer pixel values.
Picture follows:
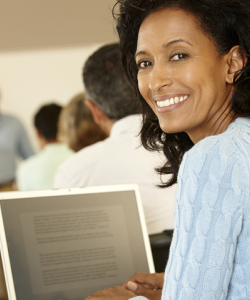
(66, 244)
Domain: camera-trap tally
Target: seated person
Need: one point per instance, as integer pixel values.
(76, 125)
(14, 144)
(119, 159)
(38, 171)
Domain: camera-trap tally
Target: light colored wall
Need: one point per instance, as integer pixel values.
(44, 45)
(28, 79)
(52, 23)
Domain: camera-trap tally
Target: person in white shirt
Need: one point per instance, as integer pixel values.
(38, 171)
(120, 158)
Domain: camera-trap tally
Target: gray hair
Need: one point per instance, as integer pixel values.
(106, 84)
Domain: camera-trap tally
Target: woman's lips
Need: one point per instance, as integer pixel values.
(171, 101)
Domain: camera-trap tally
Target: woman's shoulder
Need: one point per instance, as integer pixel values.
(216, 153)
(235, 140)
(217, 163)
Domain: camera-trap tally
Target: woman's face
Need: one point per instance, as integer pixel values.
(181, 75)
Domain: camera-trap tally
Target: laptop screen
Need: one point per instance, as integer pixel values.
(68, 245)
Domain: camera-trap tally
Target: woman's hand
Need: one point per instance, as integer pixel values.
(145, 284)
(147, 280)
(112, 293)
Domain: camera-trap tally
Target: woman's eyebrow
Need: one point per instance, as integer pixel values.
(167, 45)
(140, 52)
(176, 41)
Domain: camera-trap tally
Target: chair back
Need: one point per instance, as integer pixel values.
(160, 245)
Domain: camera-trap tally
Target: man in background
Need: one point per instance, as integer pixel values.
(38, 171)
(14, 144)
(119, 159)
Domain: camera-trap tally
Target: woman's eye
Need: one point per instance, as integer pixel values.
(143, 64)
(179, 56)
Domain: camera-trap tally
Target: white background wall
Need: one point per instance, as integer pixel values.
(28, 79)
(44, 45)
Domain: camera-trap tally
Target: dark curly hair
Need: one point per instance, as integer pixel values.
(226, 22)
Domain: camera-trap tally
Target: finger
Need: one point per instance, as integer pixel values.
(143, 278)
(101, 293)
(155, 280)
(132, 286)
(101, 297)
(134, 278)
(138, 289)
(149, 281)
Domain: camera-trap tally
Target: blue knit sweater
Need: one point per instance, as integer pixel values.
(210, 251)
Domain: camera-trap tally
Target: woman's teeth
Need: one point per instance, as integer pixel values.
(171, 101)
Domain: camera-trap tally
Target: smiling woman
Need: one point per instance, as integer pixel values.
(183, 78)
(188, 61)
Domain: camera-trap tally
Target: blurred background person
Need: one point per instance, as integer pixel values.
(38, 171)
(14, 144)
(118, 159)
(77, 128)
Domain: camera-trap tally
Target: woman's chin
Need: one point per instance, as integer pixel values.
(171, 128)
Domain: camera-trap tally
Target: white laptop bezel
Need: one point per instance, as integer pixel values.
(71, 191)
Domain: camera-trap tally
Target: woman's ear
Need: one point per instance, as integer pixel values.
(236, 61)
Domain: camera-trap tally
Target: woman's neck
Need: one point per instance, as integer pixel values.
(216, 125)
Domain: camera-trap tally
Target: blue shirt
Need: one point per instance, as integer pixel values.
(210, 251)
(14, 143)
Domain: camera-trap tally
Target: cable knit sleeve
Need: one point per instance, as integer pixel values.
(212, 188)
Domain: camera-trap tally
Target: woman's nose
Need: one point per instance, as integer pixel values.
(159, 78)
